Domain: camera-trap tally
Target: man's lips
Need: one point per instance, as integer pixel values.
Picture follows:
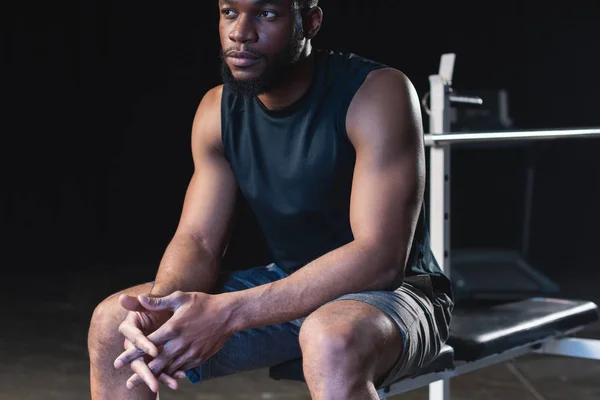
(242, 58)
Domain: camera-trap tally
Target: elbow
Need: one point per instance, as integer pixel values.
(391, 278)
(390, 269)
(386, 264)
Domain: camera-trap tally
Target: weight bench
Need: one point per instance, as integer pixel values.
(485, 336)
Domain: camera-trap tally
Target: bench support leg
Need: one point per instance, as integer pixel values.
(440, 390)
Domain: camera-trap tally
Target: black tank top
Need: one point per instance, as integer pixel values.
(294, 167)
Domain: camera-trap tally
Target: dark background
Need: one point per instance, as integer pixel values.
(99, 96)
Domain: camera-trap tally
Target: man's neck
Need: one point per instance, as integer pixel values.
(293, 87)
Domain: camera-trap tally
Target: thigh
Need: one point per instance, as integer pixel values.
(413, 313)
(255, 348)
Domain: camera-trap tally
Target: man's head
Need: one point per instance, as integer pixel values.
(262, 39)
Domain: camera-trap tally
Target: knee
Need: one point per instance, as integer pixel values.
(106, 313)
(104, 324)
(334, 347)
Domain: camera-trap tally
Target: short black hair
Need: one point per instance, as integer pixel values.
(303, 4)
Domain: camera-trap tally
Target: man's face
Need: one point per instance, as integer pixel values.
(260, 39)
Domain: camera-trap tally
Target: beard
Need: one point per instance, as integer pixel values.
(273, 73)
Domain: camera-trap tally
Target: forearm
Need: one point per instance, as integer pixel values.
(353, 268)
(187, 265)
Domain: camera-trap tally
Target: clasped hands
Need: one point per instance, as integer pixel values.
(165, 336)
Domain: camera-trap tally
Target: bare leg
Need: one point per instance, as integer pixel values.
(105, 344)
(348, 346)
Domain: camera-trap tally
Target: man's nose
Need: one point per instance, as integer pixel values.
(244, 30)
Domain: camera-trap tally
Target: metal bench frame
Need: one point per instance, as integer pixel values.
(439, 388)
(439, 140)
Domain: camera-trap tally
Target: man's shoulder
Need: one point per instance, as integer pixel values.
(213, 96)
(207, 121)
(210, 105)
(386, 96)
(381, 86)
(387, 79)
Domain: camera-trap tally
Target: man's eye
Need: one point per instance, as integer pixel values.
(228, 13)
(267, 14)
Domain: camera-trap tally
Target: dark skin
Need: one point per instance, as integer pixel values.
(266, 28)
(187, 326)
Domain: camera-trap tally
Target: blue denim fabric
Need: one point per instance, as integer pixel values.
(254, 348)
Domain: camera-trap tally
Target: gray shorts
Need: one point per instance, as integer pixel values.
(422, 318)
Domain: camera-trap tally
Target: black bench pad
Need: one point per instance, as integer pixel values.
(476, 333)
(292, 370)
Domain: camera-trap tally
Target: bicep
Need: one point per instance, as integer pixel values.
(389, 176)
(209, 203)
(210, 198)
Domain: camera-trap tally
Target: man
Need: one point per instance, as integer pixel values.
(327, 149)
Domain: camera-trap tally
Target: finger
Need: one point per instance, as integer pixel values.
(130, 303)
(137, 338)
(129, 355)
(166, 379)
(179, 362)
(167, 332)
(170, 302)
(140, 378)
(170, 382)
(158, 365)
(179, 375)
(142, 374)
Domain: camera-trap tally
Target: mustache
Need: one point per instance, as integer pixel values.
(250, 50)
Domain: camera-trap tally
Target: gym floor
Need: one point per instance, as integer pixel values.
(43, 346)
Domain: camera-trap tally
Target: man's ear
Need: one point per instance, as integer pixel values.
(313, 19)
